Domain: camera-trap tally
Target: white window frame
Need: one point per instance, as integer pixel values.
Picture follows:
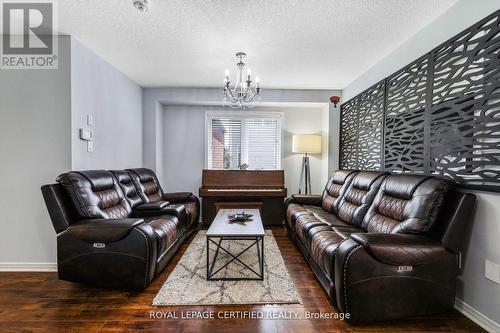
(241, 115)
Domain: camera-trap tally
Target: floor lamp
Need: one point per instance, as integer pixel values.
(306, 144)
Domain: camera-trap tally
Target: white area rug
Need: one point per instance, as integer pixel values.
(187, 284)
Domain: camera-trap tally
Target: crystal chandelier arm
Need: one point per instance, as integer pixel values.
(242, 94)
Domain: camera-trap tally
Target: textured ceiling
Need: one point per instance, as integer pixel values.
(310, 44)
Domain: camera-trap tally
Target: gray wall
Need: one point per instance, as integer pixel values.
(97, 88)
(184, 136)
(474, 289)
(35, 117)
(334, 138)
(40, 113)
(156, 99)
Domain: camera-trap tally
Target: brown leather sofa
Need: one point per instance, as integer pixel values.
(117, 228)
(383, 246)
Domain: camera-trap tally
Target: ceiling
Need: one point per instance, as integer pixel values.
(296, 44)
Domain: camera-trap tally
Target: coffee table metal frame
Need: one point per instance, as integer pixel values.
(258, 241)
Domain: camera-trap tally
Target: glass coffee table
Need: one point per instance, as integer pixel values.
(221, 230)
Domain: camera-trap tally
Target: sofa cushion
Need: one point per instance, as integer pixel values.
(346, 232)
(193, 212)
(406, 204)
(303, 223)
(295, 210)
(334, 189)
(324, 244)
(147, 184)
(127, 185)
(326, 217)
(359, 195)
(95, 194)
(166, 229)
(292, 212)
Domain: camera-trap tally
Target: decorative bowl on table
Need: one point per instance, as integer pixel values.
(239, 217)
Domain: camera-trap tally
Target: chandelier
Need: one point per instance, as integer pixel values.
(243, 94)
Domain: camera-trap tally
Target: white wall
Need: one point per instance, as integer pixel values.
(35, 113)
(475, 292)
(40, 113)
(155, 99)
(184, 153)
(97, 88)
(305, 121)
(184, 145)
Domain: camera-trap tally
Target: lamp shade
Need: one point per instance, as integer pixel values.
(306, 143)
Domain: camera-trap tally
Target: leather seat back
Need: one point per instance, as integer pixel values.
(356, 200)
(406, 204)
(59, 206)
(335, 188)
(147, 185)
(454, 220)
(95, 194)
(127, 185)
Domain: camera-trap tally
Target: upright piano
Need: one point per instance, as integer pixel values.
(240, 189)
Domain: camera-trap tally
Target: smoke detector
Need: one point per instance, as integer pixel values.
(142, 5)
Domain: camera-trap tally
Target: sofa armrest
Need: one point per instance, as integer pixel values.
(177, 210)
(401, 282)
(103, 230)
(108, 253)
(307, 199)
(401, 249)
(177, 197)
(156, 205)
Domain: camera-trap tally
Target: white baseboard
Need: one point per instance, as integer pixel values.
(476, 316)
(28, 267)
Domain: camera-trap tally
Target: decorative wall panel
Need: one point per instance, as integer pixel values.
(348, 135)
(439, 115)
(404, 118)
(465, 113)
(361, 130)
(370, 111)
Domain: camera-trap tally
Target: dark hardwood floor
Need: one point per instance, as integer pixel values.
(38, 302)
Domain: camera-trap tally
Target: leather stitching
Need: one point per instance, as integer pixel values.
(380, 223)
(147, 257)
(392, 207)
(345, 275)
(408, 255)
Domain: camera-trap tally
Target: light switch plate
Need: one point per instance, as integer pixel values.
(86, 134)
(492, 271)
(90, 146)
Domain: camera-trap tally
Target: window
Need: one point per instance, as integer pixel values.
(251, 138)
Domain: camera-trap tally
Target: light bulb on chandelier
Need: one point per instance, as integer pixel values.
(243, 94)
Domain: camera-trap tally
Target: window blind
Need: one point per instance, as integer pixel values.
(234, 141)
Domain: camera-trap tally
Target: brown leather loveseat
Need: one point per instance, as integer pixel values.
(383, 246)
(117, 228)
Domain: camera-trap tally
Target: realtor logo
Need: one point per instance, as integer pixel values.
(28, 39)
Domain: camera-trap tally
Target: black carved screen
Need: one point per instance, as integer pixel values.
(404, 118)
(348, 135)
(361, 130)
(439, 115)
(370, 117)
(465, 112)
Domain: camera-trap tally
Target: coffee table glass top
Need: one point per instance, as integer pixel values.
(222, 227)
